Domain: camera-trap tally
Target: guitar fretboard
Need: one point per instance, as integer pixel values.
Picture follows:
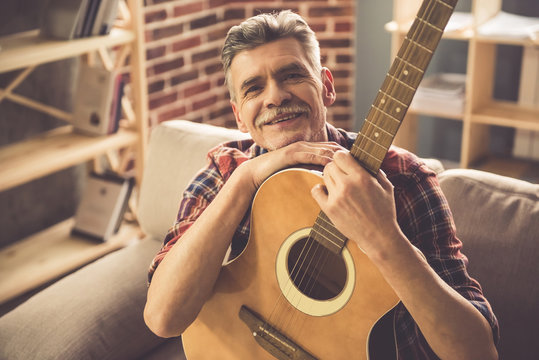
(392, 101)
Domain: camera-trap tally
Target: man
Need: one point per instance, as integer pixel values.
(280, 94)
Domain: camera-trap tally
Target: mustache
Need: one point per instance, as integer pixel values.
(270, 114)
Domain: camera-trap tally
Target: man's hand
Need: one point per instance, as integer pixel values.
(301, 152)
(361, 206)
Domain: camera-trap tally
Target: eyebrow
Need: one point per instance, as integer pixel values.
(294, 66)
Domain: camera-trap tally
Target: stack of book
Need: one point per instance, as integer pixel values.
(98, 101)
(441, 94)
(72, 19)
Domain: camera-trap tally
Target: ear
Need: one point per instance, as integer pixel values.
(329, 95)
(239, 123)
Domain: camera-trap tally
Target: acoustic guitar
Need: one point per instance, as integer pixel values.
(298, 291)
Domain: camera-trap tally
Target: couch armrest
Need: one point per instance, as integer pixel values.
(497, 219)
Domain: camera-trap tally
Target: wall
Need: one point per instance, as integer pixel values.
(184, 40)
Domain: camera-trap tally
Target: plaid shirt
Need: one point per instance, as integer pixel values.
(422, 213)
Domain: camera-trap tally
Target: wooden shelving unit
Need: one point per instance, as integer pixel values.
(53, 252)
(481, 110)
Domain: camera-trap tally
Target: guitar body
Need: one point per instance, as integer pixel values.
(334, 328)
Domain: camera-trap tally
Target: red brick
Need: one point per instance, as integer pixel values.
(186, 43)
(167, 31)
(173, 114)
(231, 14)
(343, 27)
(155, 52)
(183, 77)
(204, 103)
(188, 8)
(335, 43)
(196, 89)
(330, 11)
(205, 55)
(163, 100)
(156, 86)
(168, 65)
(152, 16)
(204, 21)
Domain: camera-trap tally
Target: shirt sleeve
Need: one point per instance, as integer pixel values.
(424, 216)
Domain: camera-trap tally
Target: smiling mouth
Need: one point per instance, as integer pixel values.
(280, 119)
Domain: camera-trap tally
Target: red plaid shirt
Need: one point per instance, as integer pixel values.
(422, 213)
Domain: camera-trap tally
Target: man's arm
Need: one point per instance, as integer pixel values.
(185, 278)
(452, 326)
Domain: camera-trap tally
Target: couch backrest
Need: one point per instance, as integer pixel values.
(497, 219)
(177, 150)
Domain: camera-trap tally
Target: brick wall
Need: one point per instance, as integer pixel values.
(183, 43)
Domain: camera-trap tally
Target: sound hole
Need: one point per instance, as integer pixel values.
(317, 272)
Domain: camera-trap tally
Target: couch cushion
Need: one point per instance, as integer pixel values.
(94, 313)
(497, 219)
(176, 152)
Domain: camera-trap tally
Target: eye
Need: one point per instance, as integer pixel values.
(252, 90)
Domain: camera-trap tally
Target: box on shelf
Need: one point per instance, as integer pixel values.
(97, 108)
(103, 204)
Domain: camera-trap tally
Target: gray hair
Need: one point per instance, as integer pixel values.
(264, 28)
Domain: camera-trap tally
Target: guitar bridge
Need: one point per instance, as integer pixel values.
(271, 340)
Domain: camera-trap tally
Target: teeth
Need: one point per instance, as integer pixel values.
(285, 119)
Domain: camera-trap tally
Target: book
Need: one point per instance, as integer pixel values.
(61, 17)
(93, 99)
(109, 16)
(441, 93)
(89, 18)
(102, 206)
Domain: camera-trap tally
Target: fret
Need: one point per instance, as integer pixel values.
(398, 110)
(380, 135)
(420, 45)
(409, 64)
(436, 12)
(382, 121)
(406, 72)
(374, 141)
(414, 54)
(384, 97)
(451, 7)
(428, 38)
(401, 82)
(356, 150)
(326, 234)
(434, 27)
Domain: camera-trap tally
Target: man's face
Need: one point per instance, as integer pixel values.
(279, 99)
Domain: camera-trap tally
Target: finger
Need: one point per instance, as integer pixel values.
(320, 194)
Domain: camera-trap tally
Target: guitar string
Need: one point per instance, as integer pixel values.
(419, 29)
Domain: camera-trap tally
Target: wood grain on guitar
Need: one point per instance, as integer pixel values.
(298, 291)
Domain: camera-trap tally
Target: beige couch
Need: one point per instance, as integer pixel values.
(96, 312)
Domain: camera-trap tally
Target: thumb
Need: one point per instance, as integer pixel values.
(319, 193)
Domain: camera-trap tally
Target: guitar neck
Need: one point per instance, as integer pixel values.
(392, 102)
(400, 84)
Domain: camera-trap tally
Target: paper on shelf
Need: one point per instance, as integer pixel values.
(510, 25)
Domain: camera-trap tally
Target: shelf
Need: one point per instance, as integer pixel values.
(507, 114)
(51, 253)
(442, 114)
(53, 151)
(26, 49)
(511, 167)
(402, 28)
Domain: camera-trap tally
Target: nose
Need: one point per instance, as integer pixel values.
(276, 95)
